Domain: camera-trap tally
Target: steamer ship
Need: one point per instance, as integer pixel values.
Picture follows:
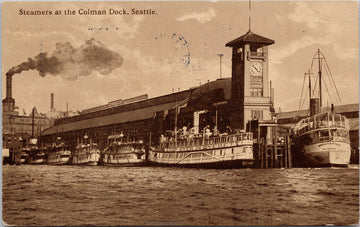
(59, 154)
(119, 153)
(206, 150)
(86, 154)
(322, 139)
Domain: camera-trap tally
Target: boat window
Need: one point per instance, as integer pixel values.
(324, 133)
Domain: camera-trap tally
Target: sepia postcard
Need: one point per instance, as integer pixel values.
(162, 113)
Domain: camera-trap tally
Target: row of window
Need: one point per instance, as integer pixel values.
(256, 92)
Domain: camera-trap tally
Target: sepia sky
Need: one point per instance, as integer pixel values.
(155, 48)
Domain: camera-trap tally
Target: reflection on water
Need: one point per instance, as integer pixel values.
(73, 195)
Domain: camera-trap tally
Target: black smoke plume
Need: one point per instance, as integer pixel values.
(71, 62)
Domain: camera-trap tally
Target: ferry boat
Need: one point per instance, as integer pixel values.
(322, 139)
(86, 154)
(205, 151)
(59, 155)
(120, 153)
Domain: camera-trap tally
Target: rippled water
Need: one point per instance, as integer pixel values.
(97, 195)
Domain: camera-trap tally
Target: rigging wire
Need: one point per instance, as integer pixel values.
(306, 94)
(315, 90)
(332, 79)
(332, 84)
(331, 87)
(302, 90)
(328, 93)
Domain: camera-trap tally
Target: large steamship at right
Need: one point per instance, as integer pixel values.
(322, 138)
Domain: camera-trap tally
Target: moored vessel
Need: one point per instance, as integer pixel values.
(119, 153)
(322, 139)
(35, 155)
(86, 154)
(205, 151)
(59, 155)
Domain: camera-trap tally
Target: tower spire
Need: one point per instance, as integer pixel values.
(249, 15)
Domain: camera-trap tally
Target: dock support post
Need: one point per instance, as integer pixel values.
(275, 147)
(289, 151)
(286, 153)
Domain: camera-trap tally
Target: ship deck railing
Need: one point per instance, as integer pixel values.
(208, 142)
(321, 121)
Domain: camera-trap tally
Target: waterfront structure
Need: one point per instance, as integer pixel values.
(225, 103)
(251, 90)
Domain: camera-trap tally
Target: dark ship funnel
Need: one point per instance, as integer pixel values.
(314, 106)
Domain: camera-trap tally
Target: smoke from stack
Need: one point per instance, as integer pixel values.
(71, 62)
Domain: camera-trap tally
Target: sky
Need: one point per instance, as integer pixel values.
(175, 49)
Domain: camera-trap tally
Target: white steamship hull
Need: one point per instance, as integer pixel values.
(59, 158)
(327, 154)
(120, 160)
(86, 155)
(219, 157)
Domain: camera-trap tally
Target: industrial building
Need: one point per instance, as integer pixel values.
(19, 129)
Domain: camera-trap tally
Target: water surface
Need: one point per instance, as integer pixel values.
(98, 195)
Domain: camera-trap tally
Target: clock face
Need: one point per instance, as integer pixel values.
(255, 69)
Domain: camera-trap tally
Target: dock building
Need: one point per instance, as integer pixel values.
(225, 103)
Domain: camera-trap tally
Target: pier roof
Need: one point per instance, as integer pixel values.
(141, 110)
(348, 108)
(121, 117)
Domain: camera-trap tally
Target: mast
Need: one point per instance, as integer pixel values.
(309, 84)
(175, 130)
(33, 122)
(320, 92)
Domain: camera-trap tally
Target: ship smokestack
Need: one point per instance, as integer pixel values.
(8, 86)
(314, 106)
(52, 102)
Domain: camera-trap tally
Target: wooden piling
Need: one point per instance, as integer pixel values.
(288, 144)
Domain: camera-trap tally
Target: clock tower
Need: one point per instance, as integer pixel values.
(250, 87)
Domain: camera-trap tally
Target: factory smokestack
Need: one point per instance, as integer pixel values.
(71, 62)
(8, 86)
(8, 102)
(52, 103)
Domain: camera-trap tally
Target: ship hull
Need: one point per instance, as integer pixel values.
(59, 162)
(86, 159)
(39, 161)
(56, 159)
(126, 162)
(230, 164)
(220, 157)
(326, 154)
